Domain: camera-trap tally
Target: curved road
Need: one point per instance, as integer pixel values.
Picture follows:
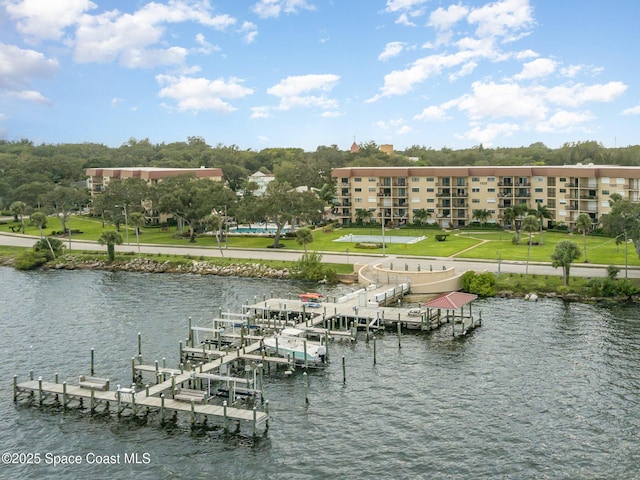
(539, 268)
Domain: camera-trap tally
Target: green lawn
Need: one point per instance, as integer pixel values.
(472, 245)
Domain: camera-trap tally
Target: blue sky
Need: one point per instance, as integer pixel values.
(304, 73)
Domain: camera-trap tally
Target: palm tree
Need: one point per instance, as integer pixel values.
(110, 239)
(541, 212)
(530, 225)
(39, 219)
(137, 220)
(583, 225)
(214, 223)
(304, 236)
(363, 216)
(482, 215)
(564, 254)
(421, 215)
(509, 217)
(520, 211)
(18, 208)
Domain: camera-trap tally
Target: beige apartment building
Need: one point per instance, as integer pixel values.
(450, 194)
(99, 178)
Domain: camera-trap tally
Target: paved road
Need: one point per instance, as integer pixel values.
(578, 269)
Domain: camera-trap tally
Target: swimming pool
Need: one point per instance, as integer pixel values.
(258, 229)
(379, 239)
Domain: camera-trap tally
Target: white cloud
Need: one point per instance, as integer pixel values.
(30, 96)
(496, 23)
(497, 100)
(510, 19)
(292, 90)
(129, 37)
(564, 121)
(488, 133)
(250, 31)
(274, 8)
(540, 67)
(202, 94)
(579, 94)
(444, 19)
(205, 47)
(391, 50)
(632, 111)
(432, 113)
(331, 114)
(46, 20)
(398, 125)
(260, 112)
(18, 67)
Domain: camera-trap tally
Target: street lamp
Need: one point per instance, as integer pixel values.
(626, 253)
(126, 221)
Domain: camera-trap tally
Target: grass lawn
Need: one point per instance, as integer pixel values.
(487, 244)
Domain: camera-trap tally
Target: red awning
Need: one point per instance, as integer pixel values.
(451, 301)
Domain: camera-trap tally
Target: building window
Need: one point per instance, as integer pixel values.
(372, 189)
(415, 190)
(358, 200)
(475, 179)
(371, 179)
(491, 190)
(373, 200)
(357, 179)
(563, 179)
(475, 200)
(429, 179)
(431, 190)
(563, 190)
(491, 179)
(431, 200)
(538, 179)
(475, 190)
(605, 192)
(357, 189)
(415, 179)
(539, 190)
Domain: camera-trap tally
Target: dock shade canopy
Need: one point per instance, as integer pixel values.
(450, 301)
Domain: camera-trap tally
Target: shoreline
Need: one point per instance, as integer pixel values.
(259, 270)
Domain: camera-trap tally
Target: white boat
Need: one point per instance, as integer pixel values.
(291, 342)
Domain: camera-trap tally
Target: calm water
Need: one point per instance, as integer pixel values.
(545, 390)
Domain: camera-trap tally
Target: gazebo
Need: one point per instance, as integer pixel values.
(451, 302)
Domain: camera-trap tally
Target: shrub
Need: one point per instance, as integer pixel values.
(311, 268)
(29, 260)
(612, 272)
(483, 284)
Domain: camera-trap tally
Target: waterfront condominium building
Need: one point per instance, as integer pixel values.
(98, 178)
(451, 194)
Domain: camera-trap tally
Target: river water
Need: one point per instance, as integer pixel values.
(542, 390)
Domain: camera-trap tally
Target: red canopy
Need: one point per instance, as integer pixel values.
(451, 301)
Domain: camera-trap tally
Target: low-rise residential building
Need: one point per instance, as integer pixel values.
(261, 180)
(99, 178)
(451, 194)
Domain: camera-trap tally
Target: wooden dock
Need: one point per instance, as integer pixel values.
(235, 343)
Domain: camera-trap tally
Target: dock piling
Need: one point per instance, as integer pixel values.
(92, 358)
(375, 360)
(344, 371)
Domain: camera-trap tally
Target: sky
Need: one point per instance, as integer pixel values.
(306, 73)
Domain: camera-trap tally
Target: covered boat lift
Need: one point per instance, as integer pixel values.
(452, 302)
